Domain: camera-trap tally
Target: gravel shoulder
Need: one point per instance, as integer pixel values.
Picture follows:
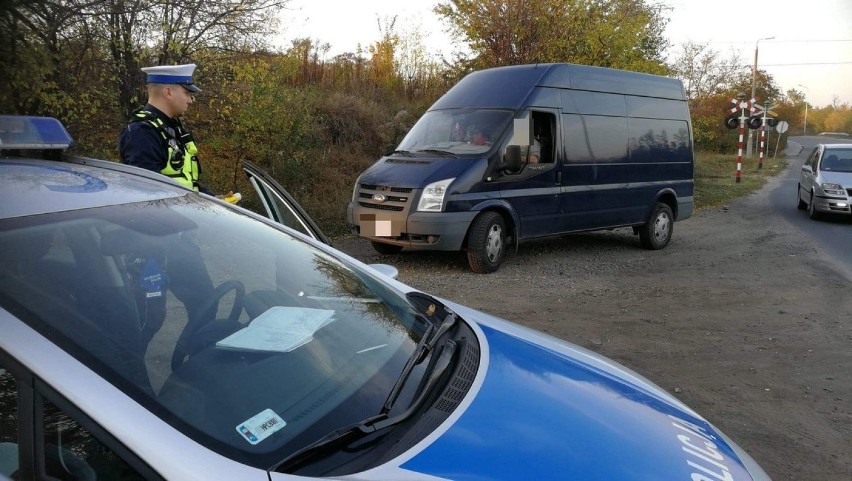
(739, 317)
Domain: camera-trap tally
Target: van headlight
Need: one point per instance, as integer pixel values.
(432, 197)
(833, 189)
(355, 190)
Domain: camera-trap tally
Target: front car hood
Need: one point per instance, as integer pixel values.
(414, 172)
(546, 409)
(842, 178)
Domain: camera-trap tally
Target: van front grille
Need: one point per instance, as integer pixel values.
(388, 198)
(381, 188)
(381, 197)
(394, 208)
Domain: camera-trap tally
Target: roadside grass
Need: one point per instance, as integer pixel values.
(715, 177)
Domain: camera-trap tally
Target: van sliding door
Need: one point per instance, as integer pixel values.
(593, 191)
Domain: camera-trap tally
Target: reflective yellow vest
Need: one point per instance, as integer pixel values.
(182, 159)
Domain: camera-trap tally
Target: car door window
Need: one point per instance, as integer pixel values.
(279, 210)
(9, 437)
(73, 453)
(277, 204)
(812, 160)
(69, 451)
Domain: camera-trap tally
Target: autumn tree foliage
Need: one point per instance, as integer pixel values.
(624, 34)
(313, 120)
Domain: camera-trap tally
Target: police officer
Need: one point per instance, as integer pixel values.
(156, 139)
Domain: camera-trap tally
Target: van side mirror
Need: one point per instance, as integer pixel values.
(808, 169)
(512, 159)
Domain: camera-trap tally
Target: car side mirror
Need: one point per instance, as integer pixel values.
(386, 269)
(808, 169)
(512, 159)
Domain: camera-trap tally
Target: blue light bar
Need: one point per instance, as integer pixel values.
(29, 133)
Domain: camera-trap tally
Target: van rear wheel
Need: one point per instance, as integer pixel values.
(386, 249)
(657, 232)
(486, 243)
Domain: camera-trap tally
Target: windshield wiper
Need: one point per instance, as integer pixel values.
(445, 153)
(330, 441)
(404, 153)
(426, 344)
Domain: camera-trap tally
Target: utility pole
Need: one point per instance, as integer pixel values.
(754, 86)
(805, 130)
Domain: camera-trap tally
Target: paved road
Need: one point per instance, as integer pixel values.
(833, 236)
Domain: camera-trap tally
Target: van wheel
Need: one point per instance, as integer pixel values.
(386, 249)
(802, 205)
(486, 243)
(657, 232)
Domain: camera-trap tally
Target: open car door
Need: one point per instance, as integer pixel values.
(280, 206)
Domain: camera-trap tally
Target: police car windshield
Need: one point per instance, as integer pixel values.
(282, 341)
(457, 132)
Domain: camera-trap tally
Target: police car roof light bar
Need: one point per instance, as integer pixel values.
(32, 133)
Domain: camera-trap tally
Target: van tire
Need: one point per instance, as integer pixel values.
(486, 243)
(657, 232)
(387, 249)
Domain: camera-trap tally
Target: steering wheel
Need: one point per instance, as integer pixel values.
(187, 345)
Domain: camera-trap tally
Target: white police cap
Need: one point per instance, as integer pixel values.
(172, 74)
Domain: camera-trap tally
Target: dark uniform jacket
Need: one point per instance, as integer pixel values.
(141, 145)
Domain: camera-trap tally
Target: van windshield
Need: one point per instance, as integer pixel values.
(457, 131)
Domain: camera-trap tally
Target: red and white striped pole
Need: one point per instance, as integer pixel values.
(763, 134)
(744, 107)
(740, 147)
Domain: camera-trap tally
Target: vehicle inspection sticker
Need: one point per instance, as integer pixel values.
(261, 426)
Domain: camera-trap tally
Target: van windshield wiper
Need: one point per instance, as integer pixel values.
(445, 153)
(383, 420)
(404, 153)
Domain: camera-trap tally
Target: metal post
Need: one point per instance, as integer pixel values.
(805, 129)
(781, 127)
(743, 117)
(762, 147)
(754, 82)
(778, 141)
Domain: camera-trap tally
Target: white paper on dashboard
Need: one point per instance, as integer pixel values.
(279, 329)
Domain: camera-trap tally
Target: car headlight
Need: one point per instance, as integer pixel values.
(833, 189)
(432, 197)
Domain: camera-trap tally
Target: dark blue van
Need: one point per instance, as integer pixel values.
(517, 153)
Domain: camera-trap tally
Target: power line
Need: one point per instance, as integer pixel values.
(749, 43)
(808, 41)
(799, 64)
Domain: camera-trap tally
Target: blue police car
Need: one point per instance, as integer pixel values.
(151, 332)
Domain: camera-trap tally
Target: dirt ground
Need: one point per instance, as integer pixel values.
(739, 317)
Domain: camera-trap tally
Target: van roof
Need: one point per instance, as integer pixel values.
(509, 87)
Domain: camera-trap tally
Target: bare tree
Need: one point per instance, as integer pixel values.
(703, 70)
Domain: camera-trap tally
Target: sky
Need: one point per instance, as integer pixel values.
(811, 50)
